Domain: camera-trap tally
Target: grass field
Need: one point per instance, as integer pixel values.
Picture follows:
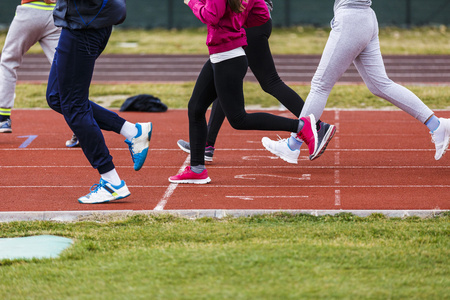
(261, 257)
(295, 40)
(177, 95)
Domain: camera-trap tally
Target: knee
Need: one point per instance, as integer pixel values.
(195, 112)
(237, 122)
(53, 102)
(380, 89)
(320, 86)
(268, 84)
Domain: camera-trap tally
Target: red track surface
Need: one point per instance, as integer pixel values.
(378, 160)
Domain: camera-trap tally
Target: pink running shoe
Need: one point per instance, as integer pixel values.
(187, 176)
(308, 134)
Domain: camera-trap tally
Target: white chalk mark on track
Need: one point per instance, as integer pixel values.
(162, 203)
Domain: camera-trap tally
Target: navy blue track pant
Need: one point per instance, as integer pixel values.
(68, 92)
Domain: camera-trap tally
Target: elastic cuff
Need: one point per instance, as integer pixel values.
(106, 168)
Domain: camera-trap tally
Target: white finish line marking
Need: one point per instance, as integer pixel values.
(337, 197)
(250, 198)
(162, 203)
(337, 178)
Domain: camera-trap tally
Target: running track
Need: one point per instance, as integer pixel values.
(379, 161)
(292, 68)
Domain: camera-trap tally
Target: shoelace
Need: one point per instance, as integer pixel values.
(432, 139)
(285, 140)
(186, 170)
(130, 147)
(74, 139)
(95, 187)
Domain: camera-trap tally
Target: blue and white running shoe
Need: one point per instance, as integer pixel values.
(139, 144)
(105, 192)
(5, 126)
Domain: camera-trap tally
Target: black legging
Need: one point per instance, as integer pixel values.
(224, 81)
(261, 63)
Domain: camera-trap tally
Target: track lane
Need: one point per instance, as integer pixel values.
(372, 167)
(418, 69)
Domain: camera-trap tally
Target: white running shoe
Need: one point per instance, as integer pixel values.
(281, 149)
(105, 192)
(139, 144)
(441, 137)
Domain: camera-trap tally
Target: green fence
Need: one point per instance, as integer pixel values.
(175, 14)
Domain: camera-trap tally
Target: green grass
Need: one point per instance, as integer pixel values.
(295, 40)
(177, 95)
(262, 257)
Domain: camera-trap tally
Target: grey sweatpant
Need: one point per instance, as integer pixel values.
(29, 26)
(354, 38)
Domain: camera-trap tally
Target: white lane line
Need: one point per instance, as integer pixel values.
(250, 198)
(75, 186)
(253, 176)
(215, 186)
(162, 203)
(257, 158)
(252, 167)
(226, 149)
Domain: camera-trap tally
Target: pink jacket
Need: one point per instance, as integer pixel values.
(225, 27)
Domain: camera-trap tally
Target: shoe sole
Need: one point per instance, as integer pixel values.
(99, 202)
(194, 181)
(278, 154)
(5, 130)
(324, 144)
(207, 158)
(72, 145)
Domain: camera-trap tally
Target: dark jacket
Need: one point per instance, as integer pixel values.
(84, 14)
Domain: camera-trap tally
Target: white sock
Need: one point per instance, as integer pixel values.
(112, 177)
(128, 130)
(294, 143)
